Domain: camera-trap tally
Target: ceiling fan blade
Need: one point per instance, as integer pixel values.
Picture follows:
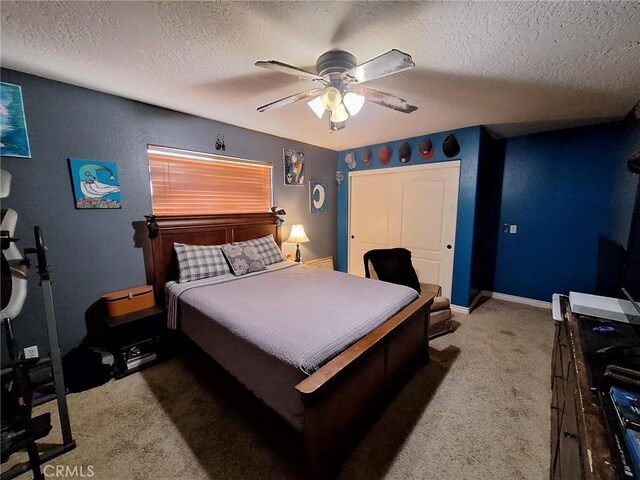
(291, 99)
(394, 61)
(289, 69)
(389, 100)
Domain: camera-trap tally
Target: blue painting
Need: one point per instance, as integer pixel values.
(14, 141)
(96, 184)
(317, 197)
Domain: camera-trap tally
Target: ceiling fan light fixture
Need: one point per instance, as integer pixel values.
(353, 102)
(339, 114)
(317, 107)
(331, 98)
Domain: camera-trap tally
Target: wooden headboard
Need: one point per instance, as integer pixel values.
(159, 256)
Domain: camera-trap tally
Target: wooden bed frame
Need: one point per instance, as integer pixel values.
(341, 399)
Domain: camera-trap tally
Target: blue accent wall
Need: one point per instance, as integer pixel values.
(563, 189)
(487, 222)
(469, 140)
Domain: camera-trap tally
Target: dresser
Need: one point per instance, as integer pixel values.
(582, 446)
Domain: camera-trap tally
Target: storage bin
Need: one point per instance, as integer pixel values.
(129, 300)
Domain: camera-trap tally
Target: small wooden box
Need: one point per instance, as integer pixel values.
(129, 300)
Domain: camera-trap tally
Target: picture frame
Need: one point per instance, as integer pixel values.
(14, 137)
(293, 167)
(96, 184)
(317, 197)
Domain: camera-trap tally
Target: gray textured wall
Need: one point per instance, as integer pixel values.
(92, 251)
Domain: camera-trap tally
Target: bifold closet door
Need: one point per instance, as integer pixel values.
(411, 207)
(374, 214)
(428, 226)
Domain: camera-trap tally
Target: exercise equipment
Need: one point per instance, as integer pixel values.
(19, 429)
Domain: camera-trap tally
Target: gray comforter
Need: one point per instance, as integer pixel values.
(302, 315)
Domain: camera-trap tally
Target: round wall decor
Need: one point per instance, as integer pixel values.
(425, 148)
(384, 155)
(367, 157)
(350, 160)
(450, 146)
(404, 153)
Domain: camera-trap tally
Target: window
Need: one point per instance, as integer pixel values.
(193, 183)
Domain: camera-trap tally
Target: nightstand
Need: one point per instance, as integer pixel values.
(134, 339)
(325, 263)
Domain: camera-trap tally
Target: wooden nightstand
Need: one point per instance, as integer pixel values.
(325, 263)
(134, 339)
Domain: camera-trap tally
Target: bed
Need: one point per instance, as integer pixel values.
(330, 399)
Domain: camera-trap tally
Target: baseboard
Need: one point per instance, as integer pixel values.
(459, 309)
(476, 300)
(515, 299)
(469, 309)
(499, 296)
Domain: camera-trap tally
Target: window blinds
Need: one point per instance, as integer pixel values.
(192, 183)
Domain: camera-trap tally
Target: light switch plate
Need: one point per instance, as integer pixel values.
(513, 229)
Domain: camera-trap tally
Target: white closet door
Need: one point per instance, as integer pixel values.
(374, 215)
(429, 211)
(410, 207)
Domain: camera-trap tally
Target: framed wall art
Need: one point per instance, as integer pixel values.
(96, 184)
(317, 197)
(293, 167)
(14, 139)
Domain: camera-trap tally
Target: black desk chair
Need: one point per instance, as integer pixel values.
(394, 265)
(391, 265)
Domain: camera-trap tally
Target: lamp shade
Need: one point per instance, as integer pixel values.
(331, 98)
(353, 102)
(339, 114)
(297, 234)
(317, 106)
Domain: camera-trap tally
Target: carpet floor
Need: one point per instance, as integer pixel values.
(478, 410)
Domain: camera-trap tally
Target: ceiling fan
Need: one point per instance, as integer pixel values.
(342, 92)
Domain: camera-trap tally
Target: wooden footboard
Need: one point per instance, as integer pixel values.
(343, 397)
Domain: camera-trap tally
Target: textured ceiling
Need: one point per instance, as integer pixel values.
(518, 67)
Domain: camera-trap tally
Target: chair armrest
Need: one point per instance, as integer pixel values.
(440, 303)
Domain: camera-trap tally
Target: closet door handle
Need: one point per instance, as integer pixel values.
(352, 237)
(449, 247)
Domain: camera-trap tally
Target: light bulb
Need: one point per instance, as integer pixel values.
(339, 114)
(353, 102)
(317, 107)
(331, 98)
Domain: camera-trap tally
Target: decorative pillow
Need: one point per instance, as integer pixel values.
(243, 258)
(200, 261)
(267, 249)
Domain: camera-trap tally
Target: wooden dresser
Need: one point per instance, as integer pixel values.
(581, 445)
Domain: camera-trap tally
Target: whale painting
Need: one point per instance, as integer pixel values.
(96, 184)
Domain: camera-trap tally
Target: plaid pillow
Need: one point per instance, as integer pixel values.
(267, 248)
(200, 261)
(243, 258)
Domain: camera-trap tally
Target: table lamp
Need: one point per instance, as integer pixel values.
(297, 236)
